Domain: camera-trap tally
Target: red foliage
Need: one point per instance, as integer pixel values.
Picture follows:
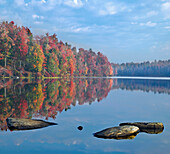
(12, 22)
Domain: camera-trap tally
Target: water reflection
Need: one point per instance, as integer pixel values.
(131, 137)
(46, 98)
(156, 86)
(27, 99)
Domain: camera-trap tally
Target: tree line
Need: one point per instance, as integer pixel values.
(159, 68)
(22, 54)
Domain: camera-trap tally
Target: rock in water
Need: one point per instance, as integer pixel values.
(80, 128)
(26, 124)
(120, 132)
(148, 127)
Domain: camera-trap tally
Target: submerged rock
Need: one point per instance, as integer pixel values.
(125, 137)
(120, 132)
(80, 128)
(148, 127)
(26, 124)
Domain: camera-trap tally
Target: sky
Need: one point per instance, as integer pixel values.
(123, 30)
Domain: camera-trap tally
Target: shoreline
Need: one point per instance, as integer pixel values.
(107, 77)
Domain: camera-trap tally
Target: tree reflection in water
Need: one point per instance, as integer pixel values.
(47, 98)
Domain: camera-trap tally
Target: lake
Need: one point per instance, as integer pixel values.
(94, 104)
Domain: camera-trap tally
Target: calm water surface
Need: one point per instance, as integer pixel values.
(94, 104)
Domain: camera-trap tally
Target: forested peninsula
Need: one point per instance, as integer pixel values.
(24, 55)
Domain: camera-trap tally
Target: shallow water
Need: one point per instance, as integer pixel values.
(94, 104)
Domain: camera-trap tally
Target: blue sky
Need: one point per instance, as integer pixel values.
(123, 30)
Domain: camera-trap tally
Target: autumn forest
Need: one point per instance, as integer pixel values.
(23, 55)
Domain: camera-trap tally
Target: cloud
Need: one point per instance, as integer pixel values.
(109, 9)
(43, 1)
(167, 47)
(149, 24)
(87, 29)
(134, 23)
(35, 16)
(38, 22)
(166, 10)
(74, 3)
(104, 8)
(147, 15)
(80, 29)
(3, 18)
(151, 13)
(19, 2)
(167, 27)
(45, 5)
(73, 29)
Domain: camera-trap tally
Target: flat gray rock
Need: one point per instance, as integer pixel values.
(120, 132)
(148, 127)
(26, 124)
